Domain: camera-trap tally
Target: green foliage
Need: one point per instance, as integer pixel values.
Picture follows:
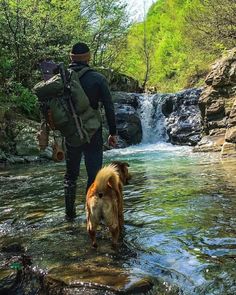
(21, 97)
(171, 49)
(177, 42)
(33, 30)
(214, 20)
(108, 26)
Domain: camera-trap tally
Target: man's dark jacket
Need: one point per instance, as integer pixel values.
(96, 88)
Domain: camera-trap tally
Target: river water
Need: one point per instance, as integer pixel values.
(180, 223)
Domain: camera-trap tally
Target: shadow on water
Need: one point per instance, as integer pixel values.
(180, 223)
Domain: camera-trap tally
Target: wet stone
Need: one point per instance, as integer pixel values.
(7, 280)
(107, 278)
(34, 280)
(14, 247)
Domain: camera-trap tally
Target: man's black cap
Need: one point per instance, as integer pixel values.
(79, 48)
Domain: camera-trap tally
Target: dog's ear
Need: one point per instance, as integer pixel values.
(125, 164)
(112, 183)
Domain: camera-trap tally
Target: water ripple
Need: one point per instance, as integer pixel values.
(179, 220)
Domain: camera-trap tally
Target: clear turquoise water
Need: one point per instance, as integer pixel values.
(180, 221)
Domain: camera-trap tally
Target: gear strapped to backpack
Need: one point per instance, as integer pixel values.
(66, 106)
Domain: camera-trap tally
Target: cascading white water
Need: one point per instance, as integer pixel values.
(152, 118)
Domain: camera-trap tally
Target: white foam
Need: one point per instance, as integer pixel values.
(149, 148)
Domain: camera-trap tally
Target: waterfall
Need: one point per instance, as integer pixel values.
(152, 118)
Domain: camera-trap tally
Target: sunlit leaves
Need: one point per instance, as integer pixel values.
(32, 30)
(182, 38)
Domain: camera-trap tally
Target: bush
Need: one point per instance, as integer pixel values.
(21, 97)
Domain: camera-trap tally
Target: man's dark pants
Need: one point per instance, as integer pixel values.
(93, 157)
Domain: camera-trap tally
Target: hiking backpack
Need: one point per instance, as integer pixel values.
(66, 106)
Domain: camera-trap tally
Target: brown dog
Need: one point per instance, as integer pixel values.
(104, 200)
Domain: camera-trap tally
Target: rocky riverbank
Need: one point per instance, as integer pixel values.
(218, 108)
(201, 117)
(18, 135)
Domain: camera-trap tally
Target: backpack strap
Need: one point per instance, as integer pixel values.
(83, 71)
(80, 72)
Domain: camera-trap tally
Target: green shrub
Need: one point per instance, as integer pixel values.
(22, 98)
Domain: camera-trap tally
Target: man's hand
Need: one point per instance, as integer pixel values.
(112, 140)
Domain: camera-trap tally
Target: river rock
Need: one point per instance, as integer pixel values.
(7, 127)
(218, 107)
(80, 278)
(210, 144)
(228, 150)
(129, 126)
(18, 139)
(183, 118)
(124, 98)
(25, 140)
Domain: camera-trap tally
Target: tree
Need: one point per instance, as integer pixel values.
(156, 45)
(146, 50)
(214, 21)
(108, 29)
(180, 39)
(32, 30)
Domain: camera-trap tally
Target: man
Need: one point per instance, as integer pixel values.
(96, 88)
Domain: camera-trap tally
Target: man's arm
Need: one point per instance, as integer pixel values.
(107, 102)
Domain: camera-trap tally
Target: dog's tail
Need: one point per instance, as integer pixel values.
(107, 176)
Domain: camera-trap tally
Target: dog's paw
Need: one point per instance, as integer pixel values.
(95, 245)
(114, 246)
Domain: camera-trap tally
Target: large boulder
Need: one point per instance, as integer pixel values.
(183, 118)
(128, 122)
(18, 139)
(218, 107)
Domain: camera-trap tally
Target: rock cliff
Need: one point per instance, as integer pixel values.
(218, 108)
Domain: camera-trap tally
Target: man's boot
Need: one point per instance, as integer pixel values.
(70, 192)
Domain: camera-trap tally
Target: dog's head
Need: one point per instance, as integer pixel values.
(122, 168)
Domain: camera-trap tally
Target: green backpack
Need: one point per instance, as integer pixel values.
(67, 108)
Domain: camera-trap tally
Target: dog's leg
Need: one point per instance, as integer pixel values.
(115, 227)
(120, 207)
(91, 229)
(115, 234)
(92, 234)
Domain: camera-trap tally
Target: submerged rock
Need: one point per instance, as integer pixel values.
(104, 277)
(74, 279)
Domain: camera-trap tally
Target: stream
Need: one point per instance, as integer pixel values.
(179, 235)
